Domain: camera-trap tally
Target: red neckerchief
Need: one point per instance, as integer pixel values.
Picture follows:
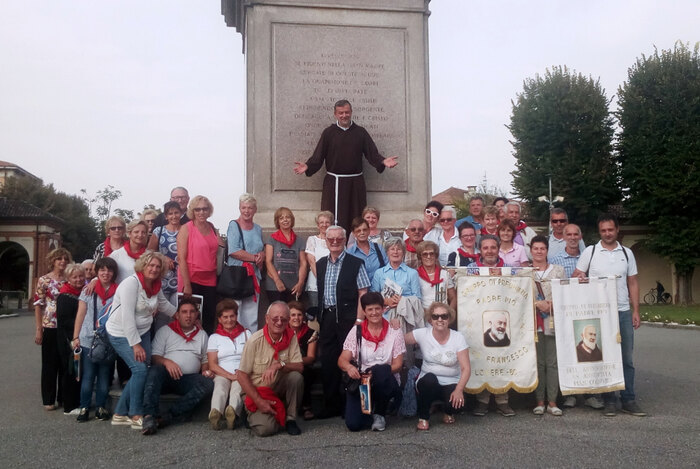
(68, 288)
(464, 253)
(279, 236)
(238, 330)
(410, 248)
(282, 344)
(133, 255)
(499, 264)
(484, 231)
(108, 247)
(177, 328)
(269, 395)
(250, 271)
(303, 329)
(105, 294)
(521, 226)
(367, 335)
(155, 288)
(422, 273)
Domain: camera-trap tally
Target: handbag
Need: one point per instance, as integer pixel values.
(234, 281)
(352, 385)
(101, 351)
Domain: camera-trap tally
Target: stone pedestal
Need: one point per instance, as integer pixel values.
(304, 55)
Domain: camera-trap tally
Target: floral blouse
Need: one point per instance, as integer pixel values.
(47, 290)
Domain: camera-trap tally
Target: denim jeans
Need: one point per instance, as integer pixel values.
(627, 334)
(91, 370)
(131, 400)
(192, 387)
(383, 387)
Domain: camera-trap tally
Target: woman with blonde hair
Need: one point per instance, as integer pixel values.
(115, 228)
(125, 256)
(285, 260)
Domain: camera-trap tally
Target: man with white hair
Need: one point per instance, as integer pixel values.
(497, 334)
(180, 195)
(449, 238)
(523, 233)
(414, 236)
(587, 350)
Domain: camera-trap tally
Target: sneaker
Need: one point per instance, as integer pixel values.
(149, 426)
(633, 408)
(481, 409)
(379, 423)
(569, 402)
(230, 415)
(137, 424)
(75, 411)
(594, 402)
(216, 419)
(556, 411)
(610, 409)
(84, 415)
(102, 414)
(293, 429)
(121, 420)
(539, 410)
(505, 410)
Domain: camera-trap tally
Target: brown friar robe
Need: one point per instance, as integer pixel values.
(342, 152)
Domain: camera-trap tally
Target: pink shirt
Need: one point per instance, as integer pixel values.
(391, 347)
(201, 256)
(514, 256)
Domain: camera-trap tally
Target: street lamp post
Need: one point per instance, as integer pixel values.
(550, 201)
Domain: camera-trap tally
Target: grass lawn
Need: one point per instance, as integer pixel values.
(670, 313)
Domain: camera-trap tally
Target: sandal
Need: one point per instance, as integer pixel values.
(448, 419)
(423, 424)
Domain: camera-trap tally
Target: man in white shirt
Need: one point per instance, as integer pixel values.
(449, 238)
(608, 257)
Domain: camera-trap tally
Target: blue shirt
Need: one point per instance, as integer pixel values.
(470, 219)
(567, 261)
(404, 276)
(331, 280)
(253, 243)
(372, 259)
(557, 246)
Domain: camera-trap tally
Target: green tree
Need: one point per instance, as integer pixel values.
(659, 153)
(562, 127)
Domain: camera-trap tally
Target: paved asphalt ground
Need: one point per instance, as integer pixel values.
(668, 387)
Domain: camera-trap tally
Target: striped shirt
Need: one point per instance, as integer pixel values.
(331, 280)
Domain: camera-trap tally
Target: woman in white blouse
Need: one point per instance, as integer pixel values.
(316, 248)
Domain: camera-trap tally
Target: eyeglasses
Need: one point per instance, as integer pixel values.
(414, 229)
(428, 254)
(116, 228)
(431, 213)
(446, 220)
(558, 220)
(179, 197)
(282, 320)
(201, 209)
(335, 240)
(467, 236)
(443, 317)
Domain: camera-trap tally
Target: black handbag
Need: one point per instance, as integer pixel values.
(234, 281)
(352, 385)
(101, 351)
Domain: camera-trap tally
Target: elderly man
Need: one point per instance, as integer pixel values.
(523, 233)
(497, 333)
(449, 238)
(608, 257)
(342, 280)
(179, 365)
(341, 148)
(476, 212)
(587, 350)
(414, 236)
(557, 240)
(270, 375)
(182, 197)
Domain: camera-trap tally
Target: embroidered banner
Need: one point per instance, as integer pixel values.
(496, 315)
(588, 335)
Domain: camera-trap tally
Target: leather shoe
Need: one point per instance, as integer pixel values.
(292, 428)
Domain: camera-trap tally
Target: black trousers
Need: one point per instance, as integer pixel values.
(429, 391)
(51, 375)
(209, 310)
(70, 386)
(334, 330)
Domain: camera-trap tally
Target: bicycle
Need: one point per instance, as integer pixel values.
(657, 295)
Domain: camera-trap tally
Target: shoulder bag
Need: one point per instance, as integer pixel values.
(234, 281)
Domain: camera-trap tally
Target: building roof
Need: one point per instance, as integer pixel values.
(6, 166)
(17, 210)
(448, 196)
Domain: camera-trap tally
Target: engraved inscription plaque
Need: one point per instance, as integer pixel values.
(313, 66)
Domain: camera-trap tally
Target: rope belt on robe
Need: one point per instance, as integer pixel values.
(337, 177)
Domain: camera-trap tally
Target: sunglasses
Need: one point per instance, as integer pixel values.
(428, 254)
(431, 213)
(201, 209)
(414, 229)
(443, 317)
(446, 220)
(558, 220)
(115, 228)
(335, 240)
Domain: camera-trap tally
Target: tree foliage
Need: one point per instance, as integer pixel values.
(562, 127)
(659, 151)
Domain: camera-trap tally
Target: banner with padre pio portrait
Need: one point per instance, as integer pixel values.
(496, 315)
(587, 334)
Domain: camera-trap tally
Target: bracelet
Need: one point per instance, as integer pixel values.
(358, 321)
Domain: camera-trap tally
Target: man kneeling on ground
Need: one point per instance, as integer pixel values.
(270, 375)
(179, 366)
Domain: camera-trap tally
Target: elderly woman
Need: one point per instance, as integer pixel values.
(164, 240)
(512, 253)
(547, 372)
(197, 242)
(382, 349)
(89, 267)
(285, 260)
(376, 235)
(445, 369)
(370, 252)
(92, 310)
(434, 281)
(115, 227)
(467, 251)
(135, 302)
(490, 221)
(308, 343)
(66, 311)
(224, 352)
(395, 274)
(48, 288)
(149, 216)
(125, 256)
(246, 248)
(316, 248)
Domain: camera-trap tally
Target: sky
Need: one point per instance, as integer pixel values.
(149, 95)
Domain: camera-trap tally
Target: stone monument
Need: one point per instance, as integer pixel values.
(304, 55)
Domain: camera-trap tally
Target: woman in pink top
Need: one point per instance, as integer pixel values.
(512, 253)
(197, 242)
